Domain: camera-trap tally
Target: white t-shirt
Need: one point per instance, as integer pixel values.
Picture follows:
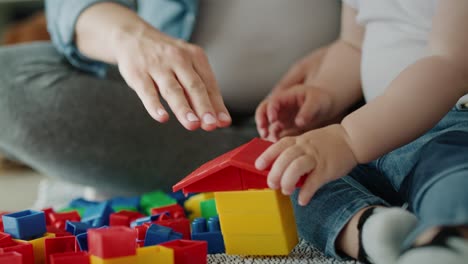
(397, 34)
(252, 43)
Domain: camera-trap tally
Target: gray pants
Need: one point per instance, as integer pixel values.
(72, 126)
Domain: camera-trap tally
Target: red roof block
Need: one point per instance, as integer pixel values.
(232, 171)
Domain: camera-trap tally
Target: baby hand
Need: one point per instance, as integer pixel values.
(323, 155)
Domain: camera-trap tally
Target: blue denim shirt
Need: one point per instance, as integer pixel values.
(174, 17)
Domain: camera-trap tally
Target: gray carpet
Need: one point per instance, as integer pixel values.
(303, 253)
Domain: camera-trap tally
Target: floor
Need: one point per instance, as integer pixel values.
(18, 188)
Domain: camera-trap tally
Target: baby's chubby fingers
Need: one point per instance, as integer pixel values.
(279, 166)
(310, 187)
(295, 170)
(269, 156)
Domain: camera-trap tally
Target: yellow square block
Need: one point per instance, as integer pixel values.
(155, 254)
(261, 245)
(121, 260)
(39, 247)
(257, 222)
(193, 204)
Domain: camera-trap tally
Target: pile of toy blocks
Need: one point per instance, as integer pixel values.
(152, 228)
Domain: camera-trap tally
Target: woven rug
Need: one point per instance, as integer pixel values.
(303, 254)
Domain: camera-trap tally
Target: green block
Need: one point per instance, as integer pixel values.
(80, 210)
(122, 208)
(155, 199)
(208, 208)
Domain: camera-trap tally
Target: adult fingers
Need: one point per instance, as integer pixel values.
(261, 119)
(308, 111)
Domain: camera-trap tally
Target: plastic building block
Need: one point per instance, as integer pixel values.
(180, 225)
(188, 251)
(147, 219)
(12, 258)
(47, 212)
(155, 254)
(98, 215)
(25, 225)
(59, 220)
(174, 210)
(124, 218)
(82, 241)
(23, 248)
(38, 245)
(209, 232)
(112, 242)
(157, 234)
(208, 208)
(193, 204)
(57, 231)
(120, 260)
(124, 208)
(265, 227)
(180, 197)
(1, 220)
(80, 210)
(70, 258)
(82, 203)
(59, 245)
(76, 228)
(155, 199)
(125, 202)
(5, 239)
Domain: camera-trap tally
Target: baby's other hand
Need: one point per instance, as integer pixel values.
(322, 154)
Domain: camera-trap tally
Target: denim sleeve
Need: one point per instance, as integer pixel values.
(61, 19)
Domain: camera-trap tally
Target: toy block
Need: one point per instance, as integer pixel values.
(125, 202)
(47, 212)
(82, 203)
(38, 245)
(141, 231)
(208, 208)
(76, 228)
(1, 220)
(70, 258)
(59, 220)
(25, 225)
(57, 231)
(147, 219)
(82, 241)
(98, 215)
(24, 248)
(112, 242)
(180, 197)
(12, 258)
(157, 234)
(188, 251)
(80, 210)
(155, 199)
(5, 239)
(209, 232)
(155, 254)
(59, 245)
(174, 210)
(124, 208)
(193, 204)
(124, 218)
(180, 225)
(119, 260)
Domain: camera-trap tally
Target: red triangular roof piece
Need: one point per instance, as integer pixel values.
(234, 170)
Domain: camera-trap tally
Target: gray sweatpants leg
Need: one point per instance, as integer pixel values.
(75, 127)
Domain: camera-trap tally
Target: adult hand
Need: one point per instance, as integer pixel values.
(154, 64)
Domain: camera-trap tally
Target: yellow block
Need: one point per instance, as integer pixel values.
(155, 254)
(257, 222)
(193, 204)
(121, 260)
(39, 248)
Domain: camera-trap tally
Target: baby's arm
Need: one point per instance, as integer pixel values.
(421, 95)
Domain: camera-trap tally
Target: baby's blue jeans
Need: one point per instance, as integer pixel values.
(429, 174)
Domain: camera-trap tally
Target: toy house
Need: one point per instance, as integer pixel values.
(254, 219)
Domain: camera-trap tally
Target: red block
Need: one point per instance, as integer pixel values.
(180, 225)
(59, 220)
(63, 244)
(70, 258)
(57, 231)
(112, 242)
(124, 218)
(23, 248)
(141, 231)
(5, 240)
(11, 258)
(175, 210)
(48, 211)
(188, 251)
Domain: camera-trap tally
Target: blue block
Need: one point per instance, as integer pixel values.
(76, 228)
(82, 203)
(209, 232)
(146, 219)
(97, 215)
(25, 225)
(131, 202)
(157, 234)
(82, 240)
